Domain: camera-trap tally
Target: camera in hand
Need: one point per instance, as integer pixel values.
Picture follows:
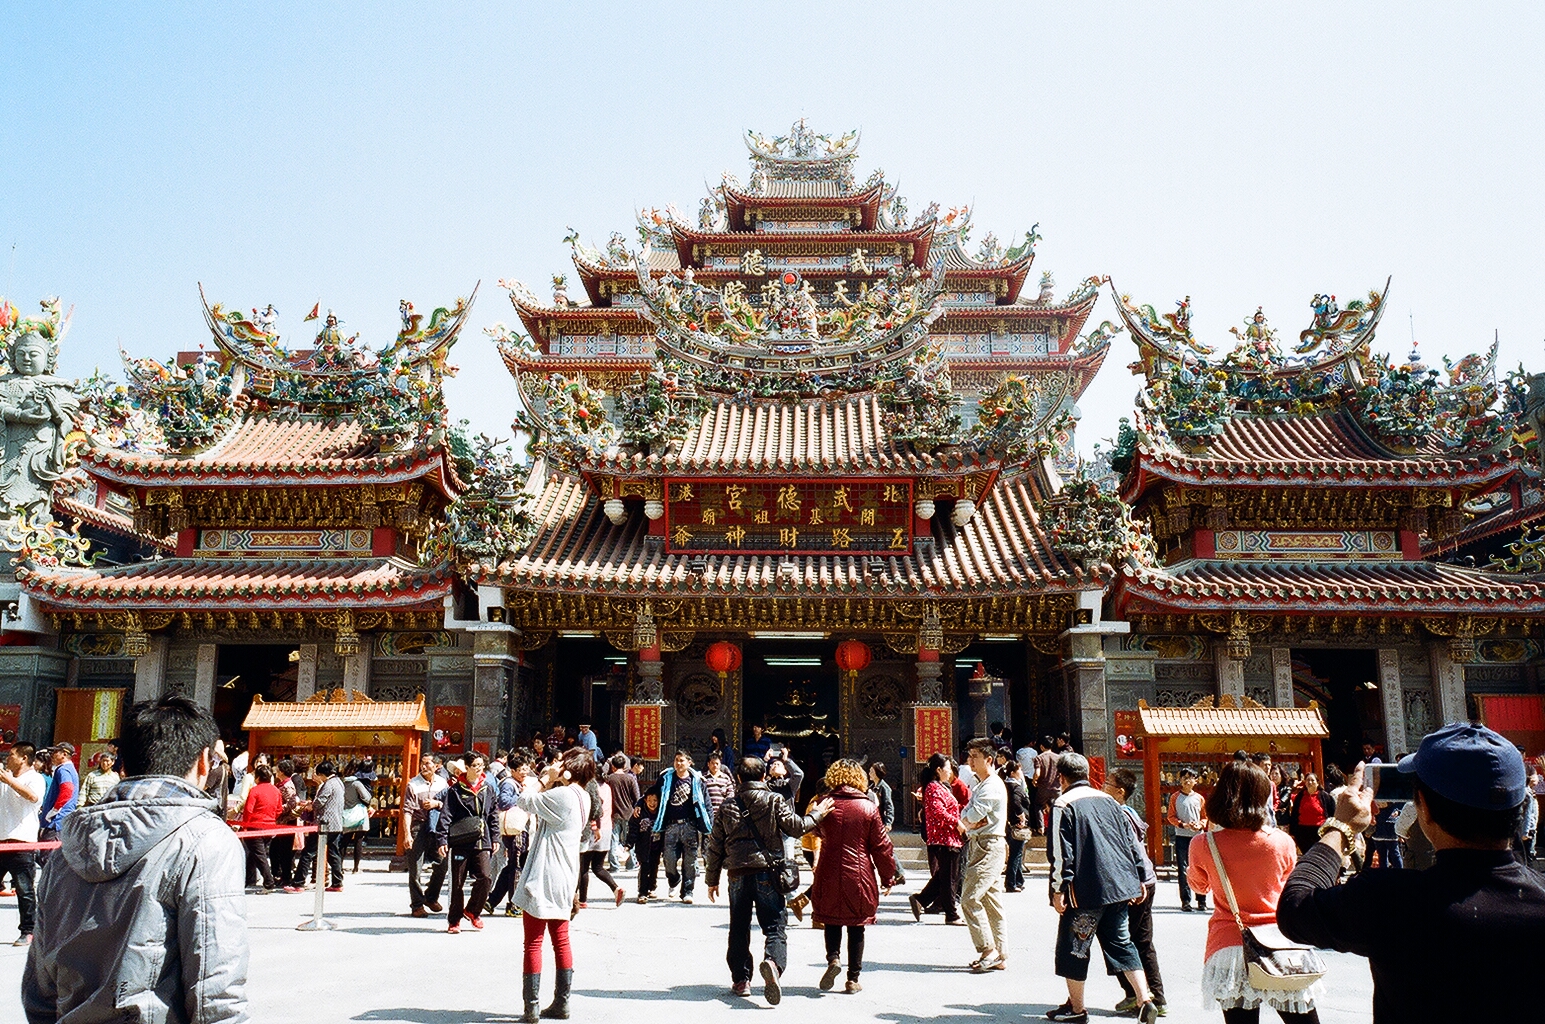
(1389, 784)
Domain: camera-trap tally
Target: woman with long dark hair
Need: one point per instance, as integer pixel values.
(941, 831)
(560, 813)
(1257, 859)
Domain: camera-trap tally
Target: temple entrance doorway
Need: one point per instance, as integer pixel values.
(791, 691)
(1345, 683)
(244, 671)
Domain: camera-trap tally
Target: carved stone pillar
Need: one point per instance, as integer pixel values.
(494, 661)
(1448, 682)
(1281, 677)
(150, 669)
(1394, 702)
(1231, 672)
(930, 689)
(306, 672)
(1083, 667)
(204, 675)
(356, 668)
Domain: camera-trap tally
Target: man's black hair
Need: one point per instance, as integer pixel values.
(751, 769)
(166, 736)
(325, 768)
(285, 767)
(1473, 824)
(619, 762)
(1047, 741)
(995, 727)
(1124, 779)
(1260, 757)
(25, 750)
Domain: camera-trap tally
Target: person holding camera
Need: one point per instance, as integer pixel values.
(1459, 940)
(746, 841)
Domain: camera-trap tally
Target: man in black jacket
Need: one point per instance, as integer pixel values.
(1460, 940)
(466, 830)
(747, 836)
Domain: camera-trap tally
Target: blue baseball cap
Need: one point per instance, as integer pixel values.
(1470, 765)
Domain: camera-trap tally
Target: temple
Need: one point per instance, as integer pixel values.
(292, 498)
(806, 420)
(1300, 498)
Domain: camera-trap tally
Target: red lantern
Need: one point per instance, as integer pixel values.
(853, 656)
(723, 657)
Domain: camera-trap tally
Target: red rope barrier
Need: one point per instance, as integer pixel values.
(283, 830)
(6, 847)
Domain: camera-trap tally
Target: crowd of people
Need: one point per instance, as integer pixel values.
(1289, 863)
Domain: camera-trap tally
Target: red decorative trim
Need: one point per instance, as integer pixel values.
(383, 541)
(187, 540)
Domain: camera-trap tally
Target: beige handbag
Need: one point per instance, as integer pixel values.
(1275, 962)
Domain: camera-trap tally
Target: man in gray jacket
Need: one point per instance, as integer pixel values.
(145, 907)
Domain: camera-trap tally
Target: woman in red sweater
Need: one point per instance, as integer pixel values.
(941, 831)
(1258, 860)
(261, 811)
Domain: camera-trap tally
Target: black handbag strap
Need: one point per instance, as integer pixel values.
(756, 832)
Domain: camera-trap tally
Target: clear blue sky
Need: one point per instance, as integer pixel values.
(1243, 154)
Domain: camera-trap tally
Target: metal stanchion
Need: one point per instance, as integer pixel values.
(318, 923)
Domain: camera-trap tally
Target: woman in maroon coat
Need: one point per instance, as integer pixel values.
(846, 891)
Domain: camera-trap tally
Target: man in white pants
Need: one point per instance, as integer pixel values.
(982, 821)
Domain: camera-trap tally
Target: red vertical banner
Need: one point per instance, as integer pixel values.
(1096, 771)
(932, 727)
(641, 730)
(1129, 745)
(450, 728)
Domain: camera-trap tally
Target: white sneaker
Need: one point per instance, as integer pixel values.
(687, 900)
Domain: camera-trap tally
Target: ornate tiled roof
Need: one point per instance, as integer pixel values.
(1002, 549)
(331, 711)
(279, 449)
(845, 435)
(106, 519)
(1228, 719)
(1328, 449)
(1389, 588)
(187, 584)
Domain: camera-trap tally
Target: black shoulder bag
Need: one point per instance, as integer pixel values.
(785, 872)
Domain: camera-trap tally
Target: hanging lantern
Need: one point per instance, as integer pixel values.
(853, 656)
(723, 657)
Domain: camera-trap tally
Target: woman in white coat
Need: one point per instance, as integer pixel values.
(559, 813)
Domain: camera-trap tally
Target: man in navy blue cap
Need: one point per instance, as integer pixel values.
(1460, 940)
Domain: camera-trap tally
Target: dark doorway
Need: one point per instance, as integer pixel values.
(582, 674)
(244, 671)
(791, 691)
(1345, 683)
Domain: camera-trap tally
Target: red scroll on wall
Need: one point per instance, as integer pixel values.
(932, 728)
(641, 730)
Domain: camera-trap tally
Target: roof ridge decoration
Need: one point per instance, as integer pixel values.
(1191, 393)
(1524, 397)
(42, 543)
(395, 392)
(492, 519)
(802, 155)
(1095, 527)
(1527, 553)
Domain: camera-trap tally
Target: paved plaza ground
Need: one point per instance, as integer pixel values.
(665, 962)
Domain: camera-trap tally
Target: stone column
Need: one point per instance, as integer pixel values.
(494, 660)
(1084, 668)
(649, 688)
(204, 675)
(306, 672)
(1231, 671)
(150, 669)
(1394, 702)
(356, 668)
(1282, 677)
(1448, 683)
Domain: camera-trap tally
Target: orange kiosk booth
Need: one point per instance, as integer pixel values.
(1205, 736)
(331, 726)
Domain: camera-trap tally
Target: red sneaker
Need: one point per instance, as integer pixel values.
(477, 921)
(335, 888)
(454, 929)
(7, 892)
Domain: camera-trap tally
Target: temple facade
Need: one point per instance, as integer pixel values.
(1304, 502)
(295, 501)
(807, 418)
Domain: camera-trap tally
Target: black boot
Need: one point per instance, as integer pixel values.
(531, 992)
(559, 1008)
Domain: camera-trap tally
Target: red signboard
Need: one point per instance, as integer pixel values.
(450, 728)
(1129, 745)
(776, 516)
(641, 730)
(933, 729)
(1520, 718)
(10, 724)
(1096, 771)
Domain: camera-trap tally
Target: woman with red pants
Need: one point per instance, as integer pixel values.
(559, 813)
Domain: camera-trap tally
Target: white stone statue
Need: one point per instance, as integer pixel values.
(39, 410)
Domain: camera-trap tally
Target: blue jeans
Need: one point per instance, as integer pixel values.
(748, 893)
(617, 855)
(681, 839)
